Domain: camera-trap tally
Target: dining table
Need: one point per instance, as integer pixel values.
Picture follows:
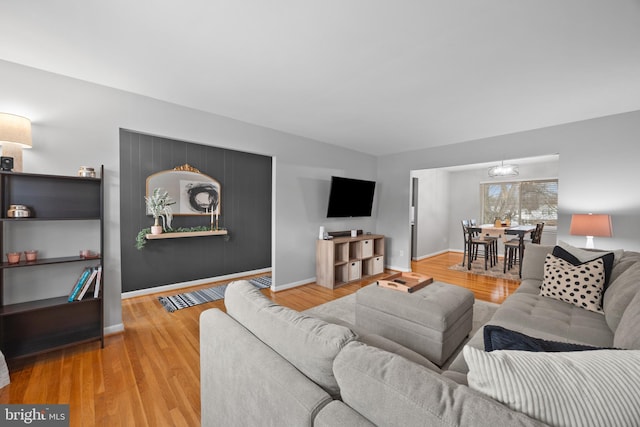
(503, 231)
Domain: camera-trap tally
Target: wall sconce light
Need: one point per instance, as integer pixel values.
(15, 134)
(590, 225)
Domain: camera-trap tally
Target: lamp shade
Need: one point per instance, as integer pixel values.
(15, 129)
(590, 225)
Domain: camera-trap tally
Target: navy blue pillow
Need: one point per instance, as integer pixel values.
(499, 338)
(607, 259)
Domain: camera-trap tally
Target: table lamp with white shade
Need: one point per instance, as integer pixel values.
(590, 225)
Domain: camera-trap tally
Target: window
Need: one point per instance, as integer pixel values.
(525, 202)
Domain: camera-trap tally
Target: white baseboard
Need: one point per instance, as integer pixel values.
(391, 267)
(114, 329)
(181, 285)
(293, 284)
(420, 258)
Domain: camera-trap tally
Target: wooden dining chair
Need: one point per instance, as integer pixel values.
(512, 254)
(536, 235)
(465, 234)
(514, 249)
(475, 241)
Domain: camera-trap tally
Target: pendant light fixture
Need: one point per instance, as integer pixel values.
(503, 170)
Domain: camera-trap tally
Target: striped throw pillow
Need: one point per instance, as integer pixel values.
(585, 388)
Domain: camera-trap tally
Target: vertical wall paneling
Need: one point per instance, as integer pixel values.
(246, 211)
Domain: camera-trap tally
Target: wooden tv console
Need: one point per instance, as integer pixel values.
(344, 259)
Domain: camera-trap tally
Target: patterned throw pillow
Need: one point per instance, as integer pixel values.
(581, 285)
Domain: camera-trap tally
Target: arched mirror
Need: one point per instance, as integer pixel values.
(193, 192)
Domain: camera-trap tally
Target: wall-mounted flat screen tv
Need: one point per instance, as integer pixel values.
(350, 197)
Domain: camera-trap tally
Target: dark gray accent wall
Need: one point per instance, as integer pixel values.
(245, 181)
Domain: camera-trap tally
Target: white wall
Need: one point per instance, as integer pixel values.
(597, 173)
(433, 213)
(76, 123)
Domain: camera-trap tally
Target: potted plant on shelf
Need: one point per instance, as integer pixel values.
(159, 205)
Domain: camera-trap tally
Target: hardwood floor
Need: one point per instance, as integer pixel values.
(149, 375)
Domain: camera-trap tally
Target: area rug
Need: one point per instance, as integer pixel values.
(477, 267)
(345, 309)
(189, 299)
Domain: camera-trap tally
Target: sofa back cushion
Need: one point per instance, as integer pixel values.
(619, 294)
(628, 334)
(308, 343)
(533, 261)
(389, 391)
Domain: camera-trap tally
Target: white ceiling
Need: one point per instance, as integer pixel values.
(377, 76)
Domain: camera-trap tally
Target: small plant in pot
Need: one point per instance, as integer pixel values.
(159, 205)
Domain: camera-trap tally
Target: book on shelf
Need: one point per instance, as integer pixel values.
(87, 284)
(84, 276)
(96, 289)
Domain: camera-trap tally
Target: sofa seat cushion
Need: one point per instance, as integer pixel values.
(547, 319)
(554, 320)
(308, 343)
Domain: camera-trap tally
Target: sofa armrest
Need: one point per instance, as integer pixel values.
(337, 413)
(239, 375)
(391, 391)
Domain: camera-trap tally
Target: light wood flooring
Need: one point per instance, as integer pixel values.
(149, 375)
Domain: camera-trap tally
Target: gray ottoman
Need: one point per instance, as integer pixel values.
(433, 321)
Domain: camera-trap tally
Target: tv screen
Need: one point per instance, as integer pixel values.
(350, 197)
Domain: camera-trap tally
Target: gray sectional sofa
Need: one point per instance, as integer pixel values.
(266, 365)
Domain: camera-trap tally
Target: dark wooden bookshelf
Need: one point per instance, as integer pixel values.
(33, 327)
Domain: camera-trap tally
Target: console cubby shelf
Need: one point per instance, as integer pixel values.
(344, 259)
(32, 327)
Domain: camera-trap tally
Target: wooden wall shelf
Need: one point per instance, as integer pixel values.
(179, 235)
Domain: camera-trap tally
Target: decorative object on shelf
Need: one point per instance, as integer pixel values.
(503, 170)
(31, 255)
(15, 134)
(18, 211)
(145, 234)
(88, 254)
(590, 225)
(321, 233)
(86, 172)
(159, 205)
(194, 192)
(13, 257)
(6, 163)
